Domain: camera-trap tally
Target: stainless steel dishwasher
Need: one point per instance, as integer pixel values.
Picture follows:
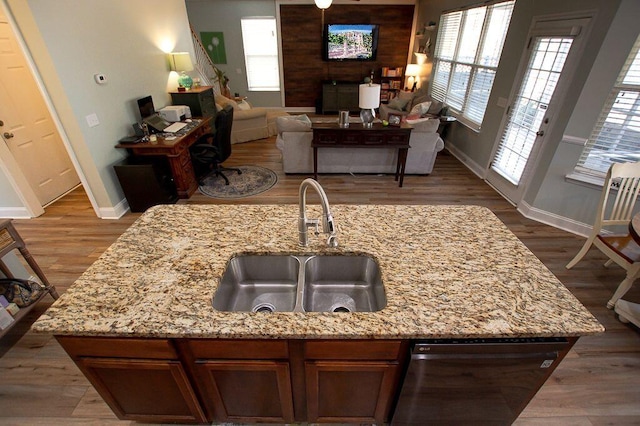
(475, 381)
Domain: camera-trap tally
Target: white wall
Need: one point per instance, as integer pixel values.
(224, 16)
(126, 40)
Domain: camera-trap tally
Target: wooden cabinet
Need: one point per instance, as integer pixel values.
(243, 381)
(352, 381)
(200, 100)
(140, 379)
(338, 96)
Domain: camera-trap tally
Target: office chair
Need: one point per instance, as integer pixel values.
(623, 184)
(212, 149)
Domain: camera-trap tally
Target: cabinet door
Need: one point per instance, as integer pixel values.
(349, 391)
(144, 390)
(247, 391)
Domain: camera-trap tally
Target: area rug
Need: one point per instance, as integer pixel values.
(253, 180)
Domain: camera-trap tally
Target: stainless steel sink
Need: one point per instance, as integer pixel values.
(343, 284)
(282, 283)
(258, 284)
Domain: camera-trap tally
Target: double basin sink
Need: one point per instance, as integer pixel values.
(291, 283)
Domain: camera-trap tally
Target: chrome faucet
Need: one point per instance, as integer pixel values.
(328, 226)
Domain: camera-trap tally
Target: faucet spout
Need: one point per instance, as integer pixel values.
(328, 224)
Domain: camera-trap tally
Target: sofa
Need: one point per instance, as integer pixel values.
(250, 123)
(417, 103)
(295, 136)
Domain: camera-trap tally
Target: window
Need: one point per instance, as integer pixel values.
(261, 53)
(616, 135)
(467, 53)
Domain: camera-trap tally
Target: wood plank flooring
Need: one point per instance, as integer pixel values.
(597, 384)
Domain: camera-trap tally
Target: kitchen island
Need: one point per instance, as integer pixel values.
(450, 272)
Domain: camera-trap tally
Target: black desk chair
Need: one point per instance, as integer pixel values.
(212, 149)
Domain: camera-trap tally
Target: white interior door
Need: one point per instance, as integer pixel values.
(548, 63)
(27, 127)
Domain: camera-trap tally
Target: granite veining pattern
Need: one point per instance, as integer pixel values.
(448, 271)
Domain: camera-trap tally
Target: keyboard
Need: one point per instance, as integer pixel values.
(174, 127)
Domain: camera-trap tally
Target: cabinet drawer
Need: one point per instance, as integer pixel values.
(326, 138)
(118, 348)
(239, 349)
(353, 349)
(373, 139)
(397, 139)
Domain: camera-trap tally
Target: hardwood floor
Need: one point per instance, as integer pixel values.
(597, 384)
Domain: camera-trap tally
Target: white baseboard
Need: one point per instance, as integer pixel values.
(524, 208)
(14, 213)
(554, 220)
(115, 212)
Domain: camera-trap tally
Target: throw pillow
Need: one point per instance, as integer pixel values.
(244, 105)
(293, 123)
(421, 108)
(224, 101)
(398, 103)
(435, 108)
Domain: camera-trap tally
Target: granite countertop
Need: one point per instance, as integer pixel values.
(449, 272)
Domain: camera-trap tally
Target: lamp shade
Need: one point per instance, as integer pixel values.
(180, 61)
(413, 70)
(323, 4)
(369, 96)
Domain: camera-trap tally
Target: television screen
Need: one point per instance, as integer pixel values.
(355, 42)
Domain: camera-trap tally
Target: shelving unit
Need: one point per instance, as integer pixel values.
(10, 240)
(391, 83)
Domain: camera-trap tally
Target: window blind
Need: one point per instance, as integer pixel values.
(616, 135)
(261, 53)
(467, 53)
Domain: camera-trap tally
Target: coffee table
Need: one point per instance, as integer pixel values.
(331, 135)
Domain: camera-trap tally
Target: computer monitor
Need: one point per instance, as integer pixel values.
(145, 106)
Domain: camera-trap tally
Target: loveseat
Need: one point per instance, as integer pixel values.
(250, 123)
(417, 103)
(295, 136)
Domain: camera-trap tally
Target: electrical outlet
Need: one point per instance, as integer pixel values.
(92, 120)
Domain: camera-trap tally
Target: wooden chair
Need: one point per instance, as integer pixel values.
(623, 178)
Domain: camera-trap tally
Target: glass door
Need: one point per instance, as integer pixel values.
(531, 110)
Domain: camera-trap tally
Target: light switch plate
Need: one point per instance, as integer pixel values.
(92, 120)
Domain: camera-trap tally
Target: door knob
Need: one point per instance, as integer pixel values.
(7, 135)
(540, 133)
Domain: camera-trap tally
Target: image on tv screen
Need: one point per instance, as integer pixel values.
(351, 41)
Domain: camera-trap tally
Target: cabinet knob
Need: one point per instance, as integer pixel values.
(7, 135)
(1, 123)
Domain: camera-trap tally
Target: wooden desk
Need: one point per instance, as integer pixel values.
(331, 135)
(177, 153)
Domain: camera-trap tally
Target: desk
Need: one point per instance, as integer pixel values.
(177, 153)
(629, 311)
(331, 135)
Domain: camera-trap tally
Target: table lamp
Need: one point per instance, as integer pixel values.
(368, 101)
(181, 62)
(413, 72)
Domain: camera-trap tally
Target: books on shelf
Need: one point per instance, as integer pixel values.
(392, 71)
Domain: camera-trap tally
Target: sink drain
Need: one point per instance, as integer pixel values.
(264, 307)
(340, 309)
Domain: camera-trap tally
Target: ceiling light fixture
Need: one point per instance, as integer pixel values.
(323, 4)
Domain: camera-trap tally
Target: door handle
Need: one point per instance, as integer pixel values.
(540, 133)
(7, 135)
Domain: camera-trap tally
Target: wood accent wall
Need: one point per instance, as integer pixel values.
(304, 68)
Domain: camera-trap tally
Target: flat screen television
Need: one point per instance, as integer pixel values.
(350, 42)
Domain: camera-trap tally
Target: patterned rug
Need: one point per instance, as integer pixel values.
(253, 180)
